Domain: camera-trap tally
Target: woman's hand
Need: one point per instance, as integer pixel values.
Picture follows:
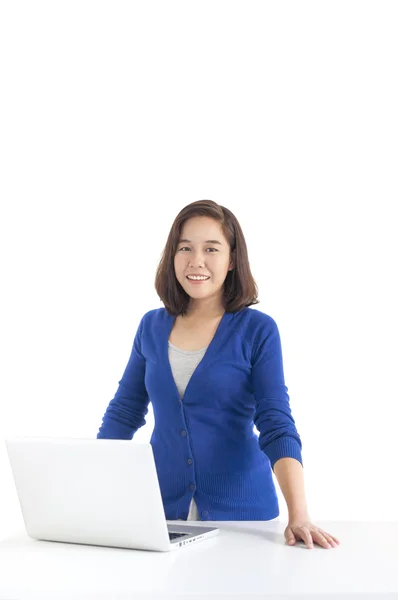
(302, 529)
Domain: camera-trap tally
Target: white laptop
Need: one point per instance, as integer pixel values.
(103, 492)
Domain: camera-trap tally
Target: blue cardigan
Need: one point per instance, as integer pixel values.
(205, 446)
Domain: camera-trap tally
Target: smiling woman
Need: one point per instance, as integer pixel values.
(212, 368)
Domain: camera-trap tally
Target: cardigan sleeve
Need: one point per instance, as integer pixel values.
(126, 411)
(273, 418)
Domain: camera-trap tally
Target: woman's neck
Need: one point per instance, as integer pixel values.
(203, 315)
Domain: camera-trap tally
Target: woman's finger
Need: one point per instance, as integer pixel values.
(329, 537)
(307, 537)
(320, 538)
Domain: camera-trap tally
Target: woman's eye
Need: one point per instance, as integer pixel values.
(207, 248)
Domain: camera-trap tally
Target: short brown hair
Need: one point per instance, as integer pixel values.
(240, 289)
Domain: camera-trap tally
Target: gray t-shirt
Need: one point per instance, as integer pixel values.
(183, 363)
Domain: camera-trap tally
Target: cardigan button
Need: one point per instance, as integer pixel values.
(205, 513)
(190, 461)
(192, 487)
(183, 432)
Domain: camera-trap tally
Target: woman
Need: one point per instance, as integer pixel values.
(212, 368)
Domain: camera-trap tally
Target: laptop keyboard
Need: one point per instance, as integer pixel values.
(173, 536)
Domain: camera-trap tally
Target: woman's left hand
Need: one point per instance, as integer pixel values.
(302, 529)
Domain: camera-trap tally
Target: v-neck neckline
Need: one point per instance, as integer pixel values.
(211, 349)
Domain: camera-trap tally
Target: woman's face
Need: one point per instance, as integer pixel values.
(202, 250)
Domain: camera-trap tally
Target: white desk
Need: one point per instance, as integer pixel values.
(246, 558)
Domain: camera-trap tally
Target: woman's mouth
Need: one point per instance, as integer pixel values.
(197, 281)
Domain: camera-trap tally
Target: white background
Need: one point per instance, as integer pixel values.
(114, 116)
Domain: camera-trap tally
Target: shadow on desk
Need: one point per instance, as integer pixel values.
(272, 531)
